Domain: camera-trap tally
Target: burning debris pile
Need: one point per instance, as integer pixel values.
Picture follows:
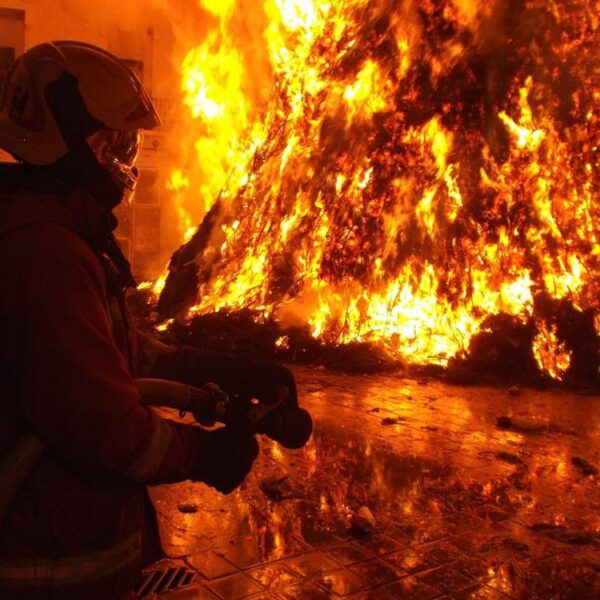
(425, 181)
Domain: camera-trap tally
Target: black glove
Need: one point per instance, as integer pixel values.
(264, 380)
(223, 458)
(261, 379)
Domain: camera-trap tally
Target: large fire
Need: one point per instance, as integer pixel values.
(419, 167)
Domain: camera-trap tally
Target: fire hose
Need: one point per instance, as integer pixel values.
(291, 427)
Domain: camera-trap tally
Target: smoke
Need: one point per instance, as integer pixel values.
(105, 14)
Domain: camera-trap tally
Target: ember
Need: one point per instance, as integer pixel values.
(424, 176)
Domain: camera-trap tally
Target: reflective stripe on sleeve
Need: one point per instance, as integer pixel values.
(38, 572)
(149, 462)
(15, 467)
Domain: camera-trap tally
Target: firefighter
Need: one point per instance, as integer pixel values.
(77, 521)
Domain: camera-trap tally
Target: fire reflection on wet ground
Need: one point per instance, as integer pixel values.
(463, 507)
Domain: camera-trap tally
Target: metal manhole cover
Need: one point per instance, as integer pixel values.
(162, 578)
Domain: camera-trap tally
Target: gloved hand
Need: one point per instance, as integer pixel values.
(261, 379)
(265, 380)
(223, 458)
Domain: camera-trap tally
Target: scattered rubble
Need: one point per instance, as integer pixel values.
(511, 459)
(277, 489)
(532, 424)
(565, 535)
(584, 466)
(515, 545)
(525, 423)
(363, 522)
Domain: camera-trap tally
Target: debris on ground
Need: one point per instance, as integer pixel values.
(187, 508)
(363, 522)
(556, 428)
(584, 466)
(560, 533)
(526, 423)
(531, 424)
(504, 423)
(389, 421)
(277, 489)
(507, 457)
(515, 545)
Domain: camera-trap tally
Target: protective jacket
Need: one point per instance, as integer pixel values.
(81, 525)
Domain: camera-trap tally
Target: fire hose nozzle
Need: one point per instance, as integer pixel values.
(208, 403)
(290, 426)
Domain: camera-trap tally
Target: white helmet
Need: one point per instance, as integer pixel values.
(57, 95)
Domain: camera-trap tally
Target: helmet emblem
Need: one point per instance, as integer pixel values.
(25, 110)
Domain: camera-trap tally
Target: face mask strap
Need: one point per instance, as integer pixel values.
(76, 125)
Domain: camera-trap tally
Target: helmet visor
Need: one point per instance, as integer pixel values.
(117, 152)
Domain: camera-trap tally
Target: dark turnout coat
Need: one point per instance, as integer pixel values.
(81, 525)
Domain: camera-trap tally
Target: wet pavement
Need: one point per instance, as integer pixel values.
(462, 507)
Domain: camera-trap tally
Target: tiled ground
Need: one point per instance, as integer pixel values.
(463, 509)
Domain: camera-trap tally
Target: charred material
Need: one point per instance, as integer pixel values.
(185, 276)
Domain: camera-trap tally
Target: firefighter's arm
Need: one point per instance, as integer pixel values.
(78, 396)
(235, 375)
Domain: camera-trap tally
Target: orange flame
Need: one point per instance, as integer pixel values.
(366, 207)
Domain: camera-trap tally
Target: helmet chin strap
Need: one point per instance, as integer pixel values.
(76, 124)
(81, 168)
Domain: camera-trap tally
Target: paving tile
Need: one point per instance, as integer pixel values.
(409, 588)
(372, 594)
(342, 582)
(478, 591)
(419, 532)
(275, 576)
(305, 591)
(349, 554)
(210, 565)
(478, 542)
(249, 553)
(318, 533)
(378, 572)
(234, 587)
(557, 577)
(311, 564)
(491, 513)
(378, 544)
(195, 592)
(414, 560)
(483, 566)
(461, 522)
(445, 578)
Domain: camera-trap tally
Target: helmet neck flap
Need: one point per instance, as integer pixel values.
(79, 167)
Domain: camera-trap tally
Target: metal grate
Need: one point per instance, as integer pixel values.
(162, 580)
